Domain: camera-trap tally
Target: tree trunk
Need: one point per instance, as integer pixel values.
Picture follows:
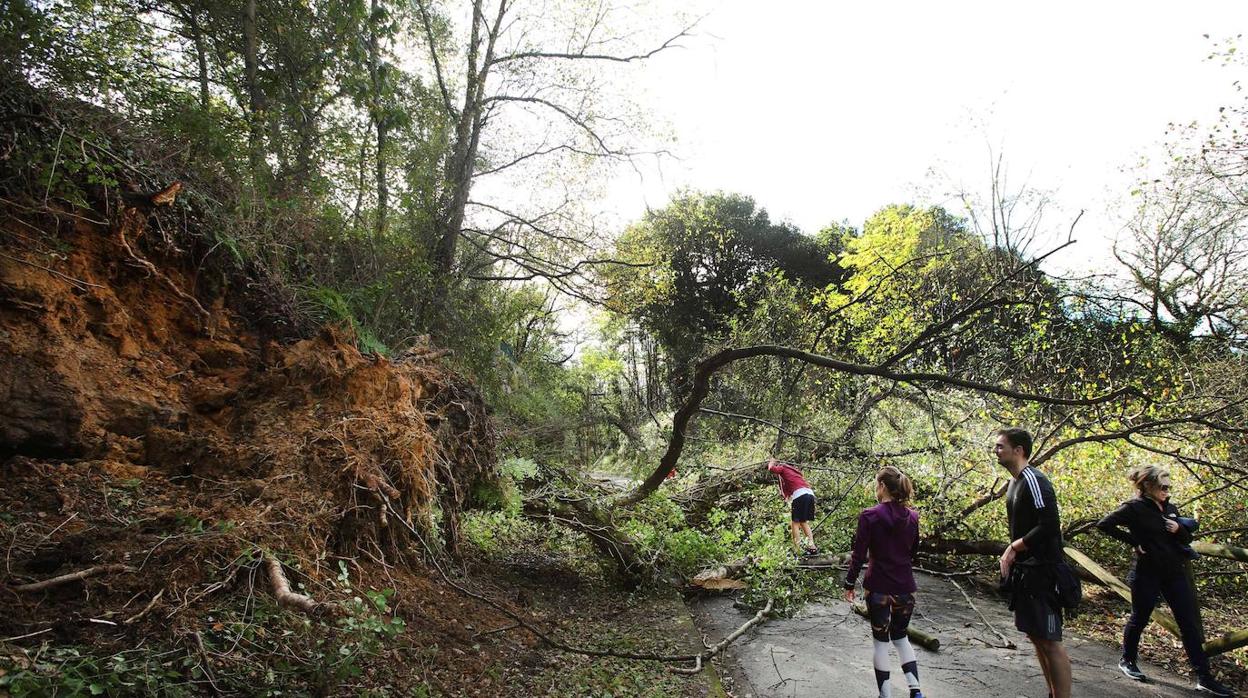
(359, 188)
(251, 62)
(201, 57)
(1229, 552)
(461, 165)
(378, 115)
(1162, 618)
(1227, 642)
(584, 516)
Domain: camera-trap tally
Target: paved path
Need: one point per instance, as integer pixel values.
(826, 651)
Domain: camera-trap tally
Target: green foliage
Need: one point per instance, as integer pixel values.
(333, 308)
(711, 257)
(75, 671)
(907, 262)
(503, 494)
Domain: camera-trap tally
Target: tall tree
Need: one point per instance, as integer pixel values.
(700, 263)
(538, 72)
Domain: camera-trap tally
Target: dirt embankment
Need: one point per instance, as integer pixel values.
(147, 432)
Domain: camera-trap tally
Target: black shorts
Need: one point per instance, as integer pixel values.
(1034, 602)
(804, 508)
(889, 614)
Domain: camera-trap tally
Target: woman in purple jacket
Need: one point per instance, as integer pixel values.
(887, 539)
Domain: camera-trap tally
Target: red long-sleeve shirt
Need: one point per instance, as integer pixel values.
(791, 479)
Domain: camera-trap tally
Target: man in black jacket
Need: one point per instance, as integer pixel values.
(1028, 563)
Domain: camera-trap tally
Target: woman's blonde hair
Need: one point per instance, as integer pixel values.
(1146, 476)
(898, 485)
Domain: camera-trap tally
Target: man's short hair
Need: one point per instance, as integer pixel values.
(1018, 438)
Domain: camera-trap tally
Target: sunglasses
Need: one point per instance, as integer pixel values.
(1164, 488)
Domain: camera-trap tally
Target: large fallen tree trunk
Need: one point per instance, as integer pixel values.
(1224, 643)
(1162, 618)
(1227, 642)
(583, 515)
(698, 500)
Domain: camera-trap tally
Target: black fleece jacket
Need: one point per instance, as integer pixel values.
(1141, 524)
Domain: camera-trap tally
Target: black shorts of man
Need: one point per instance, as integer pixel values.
(1028, 565)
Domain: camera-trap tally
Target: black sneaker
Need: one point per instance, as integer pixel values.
(1132, 671)
(1205, 683)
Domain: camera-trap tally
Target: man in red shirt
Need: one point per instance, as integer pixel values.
(801, 498)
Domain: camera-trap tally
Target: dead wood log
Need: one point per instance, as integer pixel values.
(920, 638)
(721, 577)
(1227, 642)
(1107, 578)
(72, 577)
(1229, 552)
(281, 589)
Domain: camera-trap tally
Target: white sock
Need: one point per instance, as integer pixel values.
(909, 663)
(880, 659)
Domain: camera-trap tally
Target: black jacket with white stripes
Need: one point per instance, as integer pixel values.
(1031, 506)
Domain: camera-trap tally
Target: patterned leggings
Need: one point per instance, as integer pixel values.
(889, 614)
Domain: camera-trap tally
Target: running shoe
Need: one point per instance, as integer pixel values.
(1205, 683)
(1132, 671)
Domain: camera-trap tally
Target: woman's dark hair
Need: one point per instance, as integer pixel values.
(1018, 438)
(1146, 476)
(898, 485)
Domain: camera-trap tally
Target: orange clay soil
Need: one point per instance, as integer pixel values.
(144, 427)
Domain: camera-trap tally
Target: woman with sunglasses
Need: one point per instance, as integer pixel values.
(1152, 526)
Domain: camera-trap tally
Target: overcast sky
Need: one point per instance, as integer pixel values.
(826, 111)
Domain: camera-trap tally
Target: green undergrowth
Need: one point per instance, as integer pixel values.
(255, 648)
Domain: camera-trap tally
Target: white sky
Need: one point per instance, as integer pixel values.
(824, 111)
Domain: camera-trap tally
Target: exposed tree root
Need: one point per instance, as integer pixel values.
(72, 577)
(150, 605)
(281, 589)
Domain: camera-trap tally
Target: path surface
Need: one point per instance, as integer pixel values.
(826, 651)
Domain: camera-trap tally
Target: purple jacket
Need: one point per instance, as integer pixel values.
(890, 532)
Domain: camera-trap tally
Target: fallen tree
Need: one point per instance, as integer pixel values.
(709, 366)
(584, 515)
